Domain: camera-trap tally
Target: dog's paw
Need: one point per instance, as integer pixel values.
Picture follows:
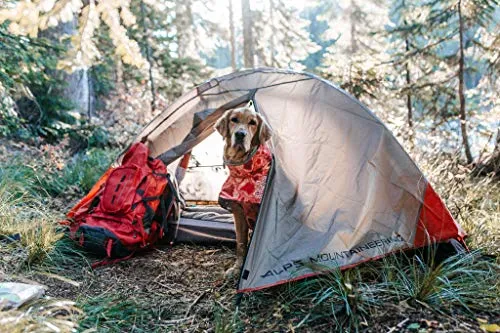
(233, 272)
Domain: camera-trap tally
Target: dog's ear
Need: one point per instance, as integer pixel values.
(264, 130)
(222, 124)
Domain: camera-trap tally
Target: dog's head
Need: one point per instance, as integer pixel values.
(243, 128)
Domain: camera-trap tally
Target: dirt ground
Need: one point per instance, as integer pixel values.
(181, 289)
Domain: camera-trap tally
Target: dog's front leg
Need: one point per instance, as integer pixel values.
(241, 228)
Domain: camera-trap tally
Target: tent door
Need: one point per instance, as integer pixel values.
(270, 176)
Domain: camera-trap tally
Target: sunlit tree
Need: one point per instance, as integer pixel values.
(447, 76)
(354, 60)
(28, 17)
(280, 36)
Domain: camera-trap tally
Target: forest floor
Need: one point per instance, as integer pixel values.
(182, 289)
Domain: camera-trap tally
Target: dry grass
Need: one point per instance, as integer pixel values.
(41, 316)
(473, 201)
(24, 216)
(181, 289)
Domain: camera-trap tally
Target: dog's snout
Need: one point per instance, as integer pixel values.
(240, 135)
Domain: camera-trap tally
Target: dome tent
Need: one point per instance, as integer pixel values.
(341, 191)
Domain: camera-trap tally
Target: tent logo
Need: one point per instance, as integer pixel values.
(332, 256)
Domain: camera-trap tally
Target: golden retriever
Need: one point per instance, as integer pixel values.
(248, 159)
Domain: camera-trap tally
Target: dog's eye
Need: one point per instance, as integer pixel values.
(252, 122)
(234, 120)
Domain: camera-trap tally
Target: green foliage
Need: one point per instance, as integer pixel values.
(424, 39)
(361, 83)
(225, 321)
(102, 77)
(22, 180)
(316, 29)
(80, 173)
(26, 70)
(88, 136)
(462, 281)
(10, 123)
(24, 208)
(175, 69)
(115, 313)
(176, 72)
(86, 168)
(103, 73)
(65, 257)
(24, 213)
(465, 282)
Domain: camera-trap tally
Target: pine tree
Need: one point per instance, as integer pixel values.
(248, 39)
(401, 41)
(148, 55)
(441, 38)
(316, 29)
(184, 26)
(353, 61)
(170, 73)
(281, 36)
(232, 35)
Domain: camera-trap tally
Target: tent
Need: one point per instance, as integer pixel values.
(342, 190)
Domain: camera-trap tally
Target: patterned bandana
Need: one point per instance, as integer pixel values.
(246, 183)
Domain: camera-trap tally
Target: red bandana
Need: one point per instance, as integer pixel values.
(246, 183)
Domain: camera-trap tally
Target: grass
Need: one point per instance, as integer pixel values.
(26, 206)
(226, 321)
(84, 169)
(25, 216)
(334, 297)
(51, 176)
(115, 314)
(473, 201)
(464, 283)
(351, 301)
(41, 316)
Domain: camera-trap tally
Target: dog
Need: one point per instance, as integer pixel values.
(248, 160)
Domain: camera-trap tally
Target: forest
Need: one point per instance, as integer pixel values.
(79, 79)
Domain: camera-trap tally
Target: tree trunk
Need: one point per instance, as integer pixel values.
(408, 83)
(183, 25)
(273, 32)
(352, 19)
(77, 89)
(461, 95)
(90, 89)
(408, 93)
(354, 44)
(232, 35)
(248, 50)
(148, 56)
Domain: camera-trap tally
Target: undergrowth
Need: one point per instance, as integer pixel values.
(53, 176)
(473, 201)
(468, 284)
(41, 316)
(115, 313)
(29, 228)
(464, 284)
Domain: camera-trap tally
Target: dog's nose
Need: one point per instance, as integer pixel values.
(240, 135)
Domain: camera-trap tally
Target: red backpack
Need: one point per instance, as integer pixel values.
(127, 209)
